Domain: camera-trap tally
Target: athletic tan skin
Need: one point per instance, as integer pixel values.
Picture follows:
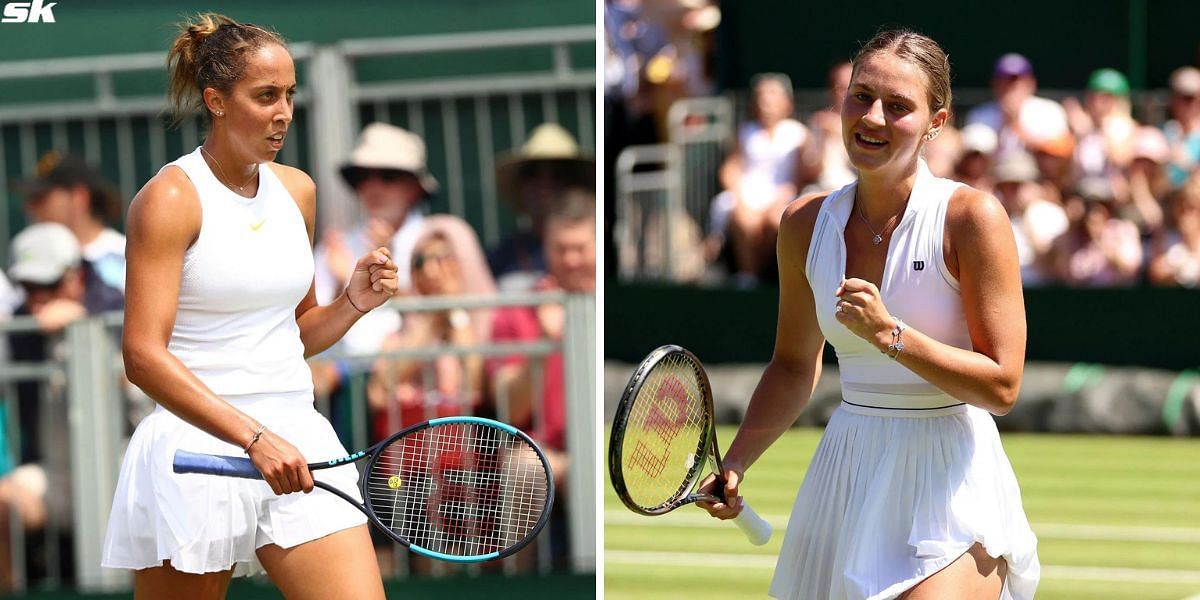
(164, 220)
(889, 99)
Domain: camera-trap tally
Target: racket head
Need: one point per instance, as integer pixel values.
(662, 433)
(459, 489)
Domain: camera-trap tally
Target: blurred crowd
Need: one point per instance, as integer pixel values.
(69, 263)
(1096, 197)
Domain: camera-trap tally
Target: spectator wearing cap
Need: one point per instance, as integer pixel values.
(70, 192)
(1183, 128)
(1055, 158)
(58, 283)
(1036, 222)
(758, 178)
(1103, 125)
(532, 178)
(49, 267)
(1097, 249)
(974, 165)
(1176, 258)
(1017, 115)
(389, 176)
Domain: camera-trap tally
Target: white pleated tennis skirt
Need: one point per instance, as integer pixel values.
(207, 523)
(892, 497)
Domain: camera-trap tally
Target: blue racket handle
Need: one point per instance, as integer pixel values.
(211, 464)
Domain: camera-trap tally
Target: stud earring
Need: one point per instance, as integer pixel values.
(220, 114)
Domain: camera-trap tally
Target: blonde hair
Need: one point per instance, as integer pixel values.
(210, 51)
(919, 50)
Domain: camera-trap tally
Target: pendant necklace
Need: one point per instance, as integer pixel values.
(241, 189)
(877, 237)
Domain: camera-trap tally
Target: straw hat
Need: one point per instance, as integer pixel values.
(551, 145)
(387, 147)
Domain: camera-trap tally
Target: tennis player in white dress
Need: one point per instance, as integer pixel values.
(220, 314)
(915, 282)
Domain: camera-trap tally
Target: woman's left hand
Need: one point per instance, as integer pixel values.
(374, 280)
(860, 308)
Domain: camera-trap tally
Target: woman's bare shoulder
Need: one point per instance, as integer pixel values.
(167, 205)
(973, 211)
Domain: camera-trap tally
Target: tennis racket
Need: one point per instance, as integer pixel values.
(663, 437)
(460, 489)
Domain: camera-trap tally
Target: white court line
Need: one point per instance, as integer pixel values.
(1061, 531)
(760, 561)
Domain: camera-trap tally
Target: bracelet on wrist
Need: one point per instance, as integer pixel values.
(348, 299)
(897, 346)
(254, 440)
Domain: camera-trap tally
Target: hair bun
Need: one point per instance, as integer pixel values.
(207, 24)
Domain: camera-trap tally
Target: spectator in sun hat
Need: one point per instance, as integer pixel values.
(388, 174)
(1016, 111)
(1104, 124)
(1036, 222)
(1183, 128)
(68, 191)
(530, 178)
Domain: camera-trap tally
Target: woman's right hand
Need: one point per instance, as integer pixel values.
(732, 506)
(281, 464)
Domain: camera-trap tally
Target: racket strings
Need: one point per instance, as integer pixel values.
(459, 489)
(665, 433)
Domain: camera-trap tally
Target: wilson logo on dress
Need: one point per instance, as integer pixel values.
(918, 265)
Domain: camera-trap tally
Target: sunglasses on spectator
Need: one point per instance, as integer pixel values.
(359, 176)
(36, 288)
(420, 260)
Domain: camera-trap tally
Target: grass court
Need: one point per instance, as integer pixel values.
(1116, 517)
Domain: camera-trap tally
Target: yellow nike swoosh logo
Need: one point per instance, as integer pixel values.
(257, 226)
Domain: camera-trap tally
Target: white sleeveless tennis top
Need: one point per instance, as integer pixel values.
(250, 267)
(917, 288)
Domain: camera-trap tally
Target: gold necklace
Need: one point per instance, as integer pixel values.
(240, 188)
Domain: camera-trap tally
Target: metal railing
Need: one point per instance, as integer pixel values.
(87, 370)
(649, 196)
(466, 120)
(703, 128)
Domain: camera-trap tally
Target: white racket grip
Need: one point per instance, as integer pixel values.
(757, 529)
